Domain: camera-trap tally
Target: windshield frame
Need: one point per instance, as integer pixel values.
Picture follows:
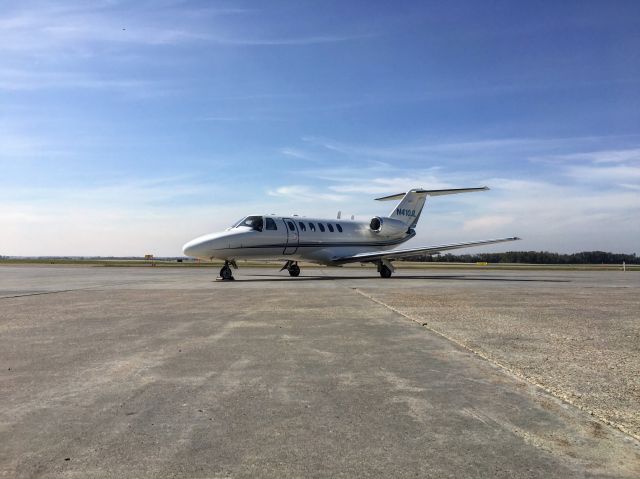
(255, 222)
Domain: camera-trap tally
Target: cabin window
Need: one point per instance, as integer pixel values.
(321, 226)
(330, 226)
(312, 227)
(292, 227)
(270, 224)
(253, 222)
(339, 227)
(302, 226)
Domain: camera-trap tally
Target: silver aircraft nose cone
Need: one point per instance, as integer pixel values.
(191, 248)
(205, 247)
(199, 247)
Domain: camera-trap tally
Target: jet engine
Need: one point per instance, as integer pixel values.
(387, 226)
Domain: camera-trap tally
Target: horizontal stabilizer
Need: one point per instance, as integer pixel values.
(403, 253)
(434, 193)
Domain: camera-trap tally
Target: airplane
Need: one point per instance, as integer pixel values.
(330, 242)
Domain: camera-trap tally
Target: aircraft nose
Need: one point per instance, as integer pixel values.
(205, 247)
(191, 248)
(198, 248)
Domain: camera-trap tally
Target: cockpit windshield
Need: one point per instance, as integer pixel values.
(253, 222)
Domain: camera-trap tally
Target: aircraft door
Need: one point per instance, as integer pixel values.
(293, 237)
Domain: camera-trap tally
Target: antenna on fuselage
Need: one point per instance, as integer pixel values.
(351, 217)
(339, 214)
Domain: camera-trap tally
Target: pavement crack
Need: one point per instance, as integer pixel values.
(38, 293)
(57, 291)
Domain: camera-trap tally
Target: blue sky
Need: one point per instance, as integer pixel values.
(131, 127)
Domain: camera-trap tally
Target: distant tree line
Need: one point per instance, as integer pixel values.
(533, 257)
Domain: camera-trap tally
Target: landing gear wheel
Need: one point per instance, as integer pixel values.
(225, 273)
(294, 270)
(385, 272)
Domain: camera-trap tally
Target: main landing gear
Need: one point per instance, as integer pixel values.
(385, 268)
(385, 272)
(225, 272)
(294, 270)
(292, 267)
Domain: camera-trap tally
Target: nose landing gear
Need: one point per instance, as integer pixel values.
(225, 272)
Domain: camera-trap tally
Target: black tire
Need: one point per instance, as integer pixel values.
(385, 272)
(225, 273)
(294, 271)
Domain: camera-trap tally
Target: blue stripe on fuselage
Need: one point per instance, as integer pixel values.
(329, 244)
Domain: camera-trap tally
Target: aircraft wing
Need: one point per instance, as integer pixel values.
(403, 253)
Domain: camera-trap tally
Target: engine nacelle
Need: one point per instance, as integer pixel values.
(387, 226)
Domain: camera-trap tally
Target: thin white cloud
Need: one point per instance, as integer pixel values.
(575, 214)
(17, 146)
(159, 214)
(236, 119)
(47, 28)
(556, 217)
(154, 215)
(486, 224)
(93, 229)
(597, 156)
(125, 193)
(15, 79)
(48, 45)
(391, 185)
(519, 148)
(298, 155)
(293, 41)
(348, 174)
(305, 194)
(586, 189)
(610, 174)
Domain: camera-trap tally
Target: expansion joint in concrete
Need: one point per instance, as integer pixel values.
(512, 372)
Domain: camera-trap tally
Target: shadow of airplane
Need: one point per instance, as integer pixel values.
(273, 277)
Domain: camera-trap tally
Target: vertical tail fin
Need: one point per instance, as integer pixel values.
(410, 207)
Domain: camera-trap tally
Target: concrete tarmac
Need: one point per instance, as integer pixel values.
(154, 372)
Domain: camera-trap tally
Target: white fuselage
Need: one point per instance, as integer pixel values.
(294, 238)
